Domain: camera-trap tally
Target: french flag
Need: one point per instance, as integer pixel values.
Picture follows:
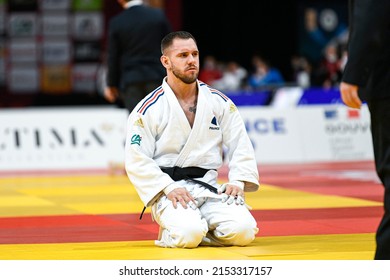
(353, 114)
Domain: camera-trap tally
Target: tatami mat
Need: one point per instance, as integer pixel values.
(316, 211)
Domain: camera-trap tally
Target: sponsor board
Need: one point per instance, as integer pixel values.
(87, 5)
(88, 25)
(23, 78)
(22, 24)
(61, 139)
(55, 5)
(309, 133)
(93, 138)
(2, 17)
(84, 77)
(56, 51)
(274, 133)
(87, 51)
(23, 50)
(336, 133)
(56, 79)
(56, 24)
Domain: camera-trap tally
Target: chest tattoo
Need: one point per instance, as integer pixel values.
(192, 109)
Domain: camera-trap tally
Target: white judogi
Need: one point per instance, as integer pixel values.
(159, 135)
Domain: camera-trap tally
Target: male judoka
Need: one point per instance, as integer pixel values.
(174, 146)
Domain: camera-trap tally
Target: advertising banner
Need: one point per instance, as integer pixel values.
(55, 24)
(84, 77)
(309, 133)
(88, 26)
(56, 51)
(335, 133)
(61, 139)
(87, 51)
(23, 24)
(2, 16)
(56, 79)
(93, 138)
(274, 133)
(55, 5)
(24, 79)
(23, 50)
(87, 5)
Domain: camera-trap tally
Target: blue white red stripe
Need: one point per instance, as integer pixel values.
(220, 94)
(215, 91)
(151, 100)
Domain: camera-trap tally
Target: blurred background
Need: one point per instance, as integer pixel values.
(52, 52)
(63, 188)
(279, 61)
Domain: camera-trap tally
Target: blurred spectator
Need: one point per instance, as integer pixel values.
(322, 26)
(343, 57)
(264, 74)
(328, 73)
(233, 77)
(302, 71)
(210, 71)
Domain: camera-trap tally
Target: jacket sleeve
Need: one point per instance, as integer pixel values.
(241, 157)
(142, 170)
(369, 21)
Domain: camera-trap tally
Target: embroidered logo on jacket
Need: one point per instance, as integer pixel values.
(214, 125)
(136, 139)
(139, 123)
(233, 108)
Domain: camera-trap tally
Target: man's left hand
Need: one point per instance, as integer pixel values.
(232, 193)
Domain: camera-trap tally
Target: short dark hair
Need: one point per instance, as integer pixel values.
(167, 41)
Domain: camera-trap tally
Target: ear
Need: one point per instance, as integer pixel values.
(165, 61)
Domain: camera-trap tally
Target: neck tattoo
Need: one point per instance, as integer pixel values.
(192, 109)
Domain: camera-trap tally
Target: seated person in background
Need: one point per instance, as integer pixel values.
(264, 74)
(328, 73)
(210, 71)
(302, 71)
(232, 79)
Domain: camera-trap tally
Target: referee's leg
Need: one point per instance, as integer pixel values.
(380, 127)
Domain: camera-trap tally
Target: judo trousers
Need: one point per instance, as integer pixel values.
(212, 223)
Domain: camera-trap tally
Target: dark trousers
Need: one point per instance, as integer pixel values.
(135, 92)
(380, 128)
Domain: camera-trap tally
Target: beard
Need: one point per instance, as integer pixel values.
(185, 78)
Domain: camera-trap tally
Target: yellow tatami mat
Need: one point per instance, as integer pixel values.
(96, 217)
(316, 247)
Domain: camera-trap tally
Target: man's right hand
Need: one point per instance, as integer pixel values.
(182, 196)
(349, 95)
(111, 94)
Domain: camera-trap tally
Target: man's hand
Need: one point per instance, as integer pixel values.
(182, 196)
(349, 95)
(232, 192)
(111, 94)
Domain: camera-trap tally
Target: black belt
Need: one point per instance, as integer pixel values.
(188, 173)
